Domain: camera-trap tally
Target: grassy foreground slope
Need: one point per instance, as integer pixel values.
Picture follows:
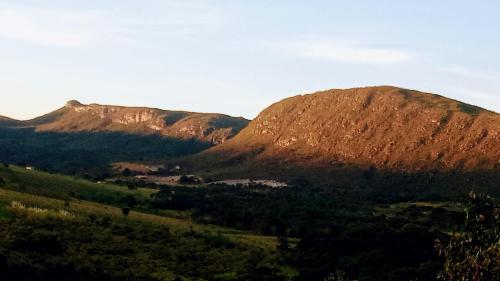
(48, 233)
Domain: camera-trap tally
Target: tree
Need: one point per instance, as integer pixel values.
(2, 181)
(92, 218)
(184, 179)
(126, 172)
(125, 211)
(129, 200)
(474, 254)
(283, 243)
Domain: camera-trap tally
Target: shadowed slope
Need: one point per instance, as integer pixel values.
(84, 152)
(6, 121)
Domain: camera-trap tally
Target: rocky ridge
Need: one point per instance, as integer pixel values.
(382, 127)
(74, 117)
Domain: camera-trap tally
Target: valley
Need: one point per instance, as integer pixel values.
(360, 183)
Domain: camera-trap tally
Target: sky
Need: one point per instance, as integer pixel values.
(238, 57)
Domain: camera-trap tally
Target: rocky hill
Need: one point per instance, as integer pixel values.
(76, 117)
(382, 127)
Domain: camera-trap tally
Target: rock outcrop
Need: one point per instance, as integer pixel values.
(75, 116)
(382, 127)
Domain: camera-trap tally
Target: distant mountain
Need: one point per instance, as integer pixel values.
(83, 139)
(376, 127)
(6, 121)
(76, 117)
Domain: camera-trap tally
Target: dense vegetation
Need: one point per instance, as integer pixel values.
(87, 153)
(54, 237)
(474, 254)
(55, 227)
(66, 249)
(367, 240)
(68, 188)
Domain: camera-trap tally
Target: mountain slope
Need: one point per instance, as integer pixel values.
(6, 121)
(76, 117)
(381, 127)
(85, 139)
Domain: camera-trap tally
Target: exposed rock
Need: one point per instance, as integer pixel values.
(206, 127)
(383, 127)
(73, 103)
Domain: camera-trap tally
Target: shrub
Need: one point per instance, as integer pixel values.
(125, 211)
(283, 243)
(469, 109)
(474, 254)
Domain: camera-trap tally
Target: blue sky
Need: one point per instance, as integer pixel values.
(237, 57)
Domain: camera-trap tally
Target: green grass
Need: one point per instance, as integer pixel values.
(85, 208)
(150, 241)
(85, 200)
(66, 187)
(52, 191)
(3, 211)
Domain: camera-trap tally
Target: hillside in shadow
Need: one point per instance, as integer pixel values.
(85, 152)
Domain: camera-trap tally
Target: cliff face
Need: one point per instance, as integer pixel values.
(205, 127)
(383, 127)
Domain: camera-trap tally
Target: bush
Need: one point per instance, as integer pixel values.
(475, 253)
(125, 211)
(188, 180)
(283, 244)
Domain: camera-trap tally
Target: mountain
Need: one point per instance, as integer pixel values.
(384, 127)
(76, 117)
(86, 139)
(6, 121)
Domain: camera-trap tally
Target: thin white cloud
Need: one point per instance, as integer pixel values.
(467, 72)
(47, 28)
(84, 28)
(348, 53)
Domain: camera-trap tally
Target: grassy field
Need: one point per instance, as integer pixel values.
(36, 198)
(82, 209)
(67, 187)
(53, 191)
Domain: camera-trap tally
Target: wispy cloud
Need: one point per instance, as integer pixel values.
(84, 28)
(348, 52)
(47, 28)
(467, 72)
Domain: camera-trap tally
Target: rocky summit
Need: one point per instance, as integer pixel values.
(382, 127)
(76, 117)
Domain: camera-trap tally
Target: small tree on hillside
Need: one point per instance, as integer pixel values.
(125, 211)
(283, 244)
(2, 181)
(474, 254)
